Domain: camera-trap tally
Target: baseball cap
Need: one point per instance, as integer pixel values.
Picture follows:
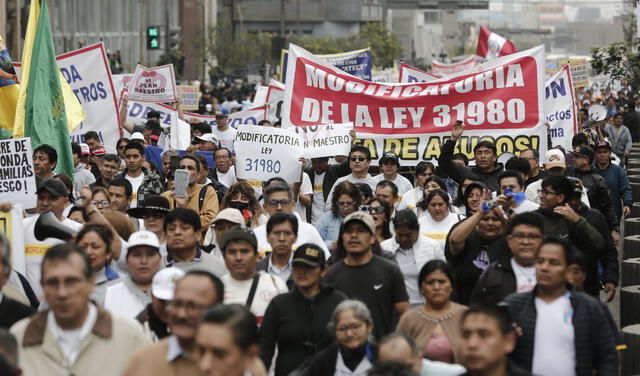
(137, 136)
(99, 151)
(604, 144)
(576, 183)
(230, 215)
(54, 186)
(362, 217)
(143, 237)
(239, 233)
(208, 137)
(84, 149)
(309, 254)
(584, 152)
(221, 112)
(554, 158)
(164, 282)
(390, 157)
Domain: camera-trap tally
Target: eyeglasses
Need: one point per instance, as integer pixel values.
(371, 209)
(278, 202)
(346, 204)
(102, 203)
(188, 306)
(519, 236)
(544, 192)
(357, 159)
(352, 327)
(221, 158)
(152, 215)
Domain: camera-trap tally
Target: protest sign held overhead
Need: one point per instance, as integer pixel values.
(357, 63)
(500, 100)
(266, 152)
(17, 176)
(251, 116)
(153, 84)
(274, 100)
(559, 107)
(579, 71)
(443, 69)
(413, 74)
(121, 85)
(325, 140)
(189, 96)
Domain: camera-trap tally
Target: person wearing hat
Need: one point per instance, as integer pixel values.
(607, 256)
(244, 285)
(389, 165)
(367, 277)
(129, 296)
(82, 175)
(152, 211)
(296, 321)
(616, 179)
(206, 142)
(154, 318)
(225, 220)
(359, 162)
(554, 165)
(597, 189)
(52, 195)
(223, 132)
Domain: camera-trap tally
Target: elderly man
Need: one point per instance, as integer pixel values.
(73, 335)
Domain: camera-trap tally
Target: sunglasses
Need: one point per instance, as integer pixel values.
(358, 159)
(372, 209)
(153, 215)
(278, 202)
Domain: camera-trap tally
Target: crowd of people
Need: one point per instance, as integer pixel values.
(488, 269)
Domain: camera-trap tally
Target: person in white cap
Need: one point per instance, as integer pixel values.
(154, 318)
(207, 142)
(129, 296)
(555, 164)
(226, 219)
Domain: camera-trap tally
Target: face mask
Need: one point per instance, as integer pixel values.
(239, 205)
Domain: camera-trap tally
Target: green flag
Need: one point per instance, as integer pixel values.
(45, 115)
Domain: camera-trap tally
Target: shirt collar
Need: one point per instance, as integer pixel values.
(175, 350)
(169, 261)
(89, 322)
(274, 269)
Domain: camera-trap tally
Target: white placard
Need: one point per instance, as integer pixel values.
(559, 108)
(156, 84)
(325, 140)
(17, 176)
(266, 152)
(251, 116)
(11, 226)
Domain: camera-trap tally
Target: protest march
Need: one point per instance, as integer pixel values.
(472, 217)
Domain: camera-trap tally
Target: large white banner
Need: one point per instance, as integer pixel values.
(89, 76)
(251, 116)
(501, 100)
(157, 84)
(266, 152)
(560, 110)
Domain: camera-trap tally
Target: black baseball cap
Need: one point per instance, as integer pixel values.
(309, 254)
(390, 157)
(239, 233)
(54, 186)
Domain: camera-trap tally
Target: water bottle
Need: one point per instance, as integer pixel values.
(518, 197)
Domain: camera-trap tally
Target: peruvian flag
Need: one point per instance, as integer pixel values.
(492, 45)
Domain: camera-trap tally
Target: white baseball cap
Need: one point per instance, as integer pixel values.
(137, 136)
(208, 137)
(554, 158)
(164, 283)
(144, 237)
(231, 215)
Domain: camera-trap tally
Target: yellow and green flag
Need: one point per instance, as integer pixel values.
(47, 109)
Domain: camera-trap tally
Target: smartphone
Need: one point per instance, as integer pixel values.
(181, 181)
(174, 163)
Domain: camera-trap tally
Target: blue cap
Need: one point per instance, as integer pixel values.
(222, 112)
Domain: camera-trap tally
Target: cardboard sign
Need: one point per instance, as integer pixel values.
(251, 117)
(501, 100)
(325, 140)
(89, 76)
(266, 152)
(357, 63)
(17, 176)
(153, 84)
(189, 97)
(413, 74)
(559, 107)
(579, 71)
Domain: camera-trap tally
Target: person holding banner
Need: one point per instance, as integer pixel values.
(486, 156)
(389, 164)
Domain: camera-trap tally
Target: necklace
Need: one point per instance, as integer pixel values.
(439, 319)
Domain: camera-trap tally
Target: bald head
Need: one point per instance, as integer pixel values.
(400, 348)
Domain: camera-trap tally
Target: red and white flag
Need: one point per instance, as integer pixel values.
(492, 45)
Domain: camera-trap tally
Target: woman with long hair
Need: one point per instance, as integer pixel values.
(95, 241)
(437, 220)
(345, 200)
(242, 196)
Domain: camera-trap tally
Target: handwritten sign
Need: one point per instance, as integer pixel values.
(153, 84)
(579, 71)
(189, 97)
(17, 176)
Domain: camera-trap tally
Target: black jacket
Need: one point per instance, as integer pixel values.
(594, 342)
(263, 266)
(458, 173)
(298, 326)
(12, 311)
(496, 283)
(324, 363)
(580, 234)
(334, 172)
(607, 255)
(599, 197)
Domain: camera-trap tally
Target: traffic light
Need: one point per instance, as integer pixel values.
(153, 37)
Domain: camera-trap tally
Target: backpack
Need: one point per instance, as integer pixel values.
(220, 189)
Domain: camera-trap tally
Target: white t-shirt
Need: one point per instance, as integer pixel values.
(237, 292)
(135, 184)
(367, 180)
(225, 138)
(227, 179)
(119, 299)
(403, 184)
(305, 189)
(525, 276)
(35, 249)
(317, 206)
(410, 199)
(554, 351)
(438, 230)
(306, 234)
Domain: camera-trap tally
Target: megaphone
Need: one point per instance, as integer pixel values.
(597, 112)
(48, 226)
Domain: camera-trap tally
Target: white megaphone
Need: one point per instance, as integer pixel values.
(597, 112)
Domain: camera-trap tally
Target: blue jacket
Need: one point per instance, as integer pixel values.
(619, 188)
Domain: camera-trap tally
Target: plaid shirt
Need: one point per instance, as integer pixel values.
(151, 185)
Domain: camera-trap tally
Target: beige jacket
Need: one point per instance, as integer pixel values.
(105, 351)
